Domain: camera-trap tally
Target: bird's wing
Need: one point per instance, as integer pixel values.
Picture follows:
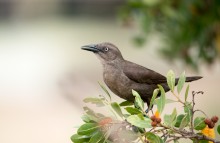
(141, 74)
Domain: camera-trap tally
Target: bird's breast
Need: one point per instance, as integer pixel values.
(117, 82)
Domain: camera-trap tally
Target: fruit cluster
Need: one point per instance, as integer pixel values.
(211, 122)
(155, 121)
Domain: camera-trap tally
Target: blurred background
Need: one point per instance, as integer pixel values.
(44, 75)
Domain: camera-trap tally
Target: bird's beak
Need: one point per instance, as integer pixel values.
(91, 47)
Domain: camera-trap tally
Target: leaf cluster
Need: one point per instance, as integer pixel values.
(189, 29)
(130, 123)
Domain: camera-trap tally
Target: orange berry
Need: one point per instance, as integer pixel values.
(158, 120)
(153, 124)
(153, 118)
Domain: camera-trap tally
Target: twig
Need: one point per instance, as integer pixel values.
(197, 110)
(192, 111)
(178, 98)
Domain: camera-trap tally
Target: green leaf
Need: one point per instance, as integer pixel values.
(117, 108)
(155, 93)
(88, 128)
(170, 120)
(138, 101)
(162, 100)
(179, 120)
(86, 118)
(181, 82)
(187, 92)
(218, 129)
(203, 141)
(97, 138)
(167, 101)
(185, 121)
(92, 115)
(199, 123)
(79, 138)
(106, 91)
(171, 80)
(153, 138)
(141, 116)
(126, 103)
(93, 100)
(170, 101)
(132, 110)
(138, 122)
(188, 110)
(175, 141)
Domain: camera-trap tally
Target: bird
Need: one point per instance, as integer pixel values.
(122, 76)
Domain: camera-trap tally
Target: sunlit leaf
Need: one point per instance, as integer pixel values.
(185, 121)
(188, 110)
(86, 118)
(93, 100)
(187, 92)
(138, 101)
(170, 101)
(117, 109)
(79, 138)
(170, 120)
(199, 123)
(171, 80)
(138, 122)
(87, 128)
(153, 138)
(132, 110)
(155, 93)
(92, 115)
(181, 82)
(162, 100)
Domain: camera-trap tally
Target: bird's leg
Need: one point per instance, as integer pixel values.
(148, 109)
(148, 105)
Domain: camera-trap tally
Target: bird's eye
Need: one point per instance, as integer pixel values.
(106, 49)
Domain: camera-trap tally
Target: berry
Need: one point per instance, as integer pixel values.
(153, 118)
(158, 120)
(153, 124)
(105, 121)
(207, 121)
(211, 125)
(214, 119)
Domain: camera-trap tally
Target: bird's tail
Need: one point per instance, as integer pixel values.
(192, 78)
(189, 79)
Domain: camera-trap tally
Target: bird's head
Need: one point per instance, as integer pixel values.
(106, 52)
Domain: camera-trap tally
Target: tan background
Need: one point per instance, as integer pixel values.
(44, 75)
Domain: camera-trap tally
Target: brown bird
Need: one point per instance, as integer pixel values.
(121, 76)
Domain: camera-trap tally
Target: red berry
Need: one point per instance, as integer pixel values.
(211, 125)
(153, 124)
(158, 120)
(214, 119)
(153, 118)
(207, 121)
